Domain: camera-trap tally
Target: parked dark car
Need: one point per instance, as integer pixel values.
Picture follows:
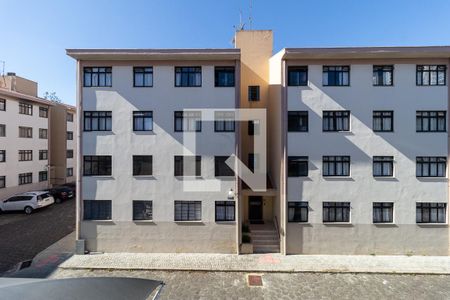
(61, 193)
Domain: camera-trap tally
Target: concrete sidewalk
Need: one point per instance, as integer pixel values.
(262, 263)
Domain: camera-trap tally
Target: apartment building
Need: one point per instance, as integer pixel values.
(29, 140)
(357, 148)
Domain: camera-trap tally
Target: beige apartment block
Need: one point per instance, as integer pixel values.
(357, 149)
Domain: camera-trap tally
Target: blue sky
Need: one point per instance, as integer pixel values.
(35, 34)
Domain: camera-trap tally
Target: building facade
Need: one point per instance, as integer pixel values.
(357, 147)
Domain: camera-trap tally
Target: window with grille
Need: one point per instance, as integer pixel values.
(25, 178)
(25, 132)
(43, 154)
(225, 211)
(383, 120)
(431, 74)
(97, 77)
(43, 112)
(188, 210)
(383, 212)
(298, 211)
(431, 166)
(143, 76)
(143, 121)
(431, 212)
(383, 166)
(25, 109)
(431, 121)
(336, 76)
(97, 121)
(336, 212)
(383, 75)
(25, 155)
(97, 209)
(188, 76)
(336, 166)
(142, 210)
(336, 120)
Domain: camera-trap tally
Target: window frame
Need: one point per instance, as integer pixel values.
(2, 130)
(336, 205)
(69, 119)
(425, 117)
(43, 154)
(138, 165)
(107, 73)
(427, 160)
(378, 72)
(144, 72)
(224, 120)
(2, 182)
(189, 204)
(43, 133)
(337, 75)
(301, 206)
(69, 172)
(25, 155)
(141, 116)
(300, 116)
(102, 213)
(225, 204)
(382, 160)
(333, 116)
(67, 153)
(144, 212)
(227, 70)
(297, 161)
(179, 70)
(179, 159)
(419, 82)
(43, 176)
(25, 178)
(380, 114)
(98, 159)
(297, 69)
(253, 93)
(27, 130)
(43, 112)
(219, 161)
(333, 159)
(2, 156)
(382, 206)
(70, 135)
(431, 206)
(25, 108)
(96, 116)
(180, 114)
(2, 104)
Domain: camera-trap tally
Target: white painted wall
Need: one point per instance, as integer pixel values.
(72, 162)
(361, 143)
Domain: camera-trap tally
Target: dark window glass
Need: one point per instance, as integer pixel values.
(25, 155)
(97, 121)
(2, 104)
(336, 76)
(252, 162)
(97, 165)
(97, 209)
(298, 121)
(2, 155)
(297, 166)
(143, 76)
(2, 130)
(142, 210)
(431, 74)
(69, 135)
(43, 133)
(336, 166)
(431, 121)
(188, 76)
(25, 108)
(298, 211)
(188, 210)
(383, 120)
(97, 76)
(224, 76)
(143, 121)
(224, 121)
(221, 168)
(25, 178)
(431, 212)
(69, 154)
(383, 75)
(69, 172)
(188, 165)
(383, 166)
(142, 165)
(25, 132)
(225, 211)
(43, 154)
(429, 166)
(336, 120)
(253, 93)
(253, 127)
(298, 76)
(69, 117)
(43, 176)
(2, 182)
(383, 212)
(43, 112)
(188, 121)
(336, 211)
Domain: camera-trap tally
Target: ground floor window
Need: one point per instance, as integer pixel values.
(225, 210)
(97, 209)
(383, 212)
(69, 172)
(336, 212)
(2, 182)
(142, 210)
(43, 176)
(431, 212)
(25, 178)
(298, 211)
(188, 210)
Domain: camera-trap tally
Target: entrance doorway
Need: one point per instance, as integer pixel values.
(255, 209)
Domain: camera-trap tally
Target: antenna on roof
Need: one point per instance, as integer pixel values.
(250, 20)
(3, 67)
(241, 25)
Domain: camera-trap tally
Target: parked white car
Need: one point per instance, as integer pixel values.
(27, 202)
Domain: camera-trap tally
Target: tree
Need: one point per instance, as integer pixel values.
(52, 97)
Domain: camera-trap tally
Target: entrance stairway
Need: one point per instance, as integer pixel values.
(264, 238)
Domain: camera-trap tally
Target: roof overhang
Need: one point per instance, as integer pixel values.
(154, 54)
(17, 95)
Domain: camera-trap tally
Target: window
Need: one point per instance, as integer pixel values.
(97, 165)
(43, 112)
(383, 120)
(431, 121)
(336, 76)
(253, 93)
(142, 210)
(298, 121)
(224, 76)
(25, 132)
(69, 154)
(253, 127)
(336, 120)
(2, 130)
(336, 212)
(225, 211)
(224, 121)
(188, 210)
(69, 172)
(25, 178)
(2, 104)
(253, 161)
(2, 182)
(43, 176)
(431, 74)
(383, 212)
(97, 77)
(2, 155)
(43, 154)
(43, 133)
(188, 76)
(383, 166)
(188, 121)
(97, 121)
(25, 155)
(431, 166)
(298, 211)
(336, 166)
(69, 135)
(298, 76)
(25, 108)
(142, 121)
(297, 166)
(221, 168)
(188, 165)
(97, 209)
(431, 212)
(383, 75)
(69, 117)
(143, 76)
(142, 165)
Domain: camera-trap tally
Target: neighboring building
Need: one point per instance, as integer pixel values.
(26, 132)
(356, 154)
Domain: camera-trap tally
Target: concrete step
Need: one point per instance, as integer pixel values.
(264, 233)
